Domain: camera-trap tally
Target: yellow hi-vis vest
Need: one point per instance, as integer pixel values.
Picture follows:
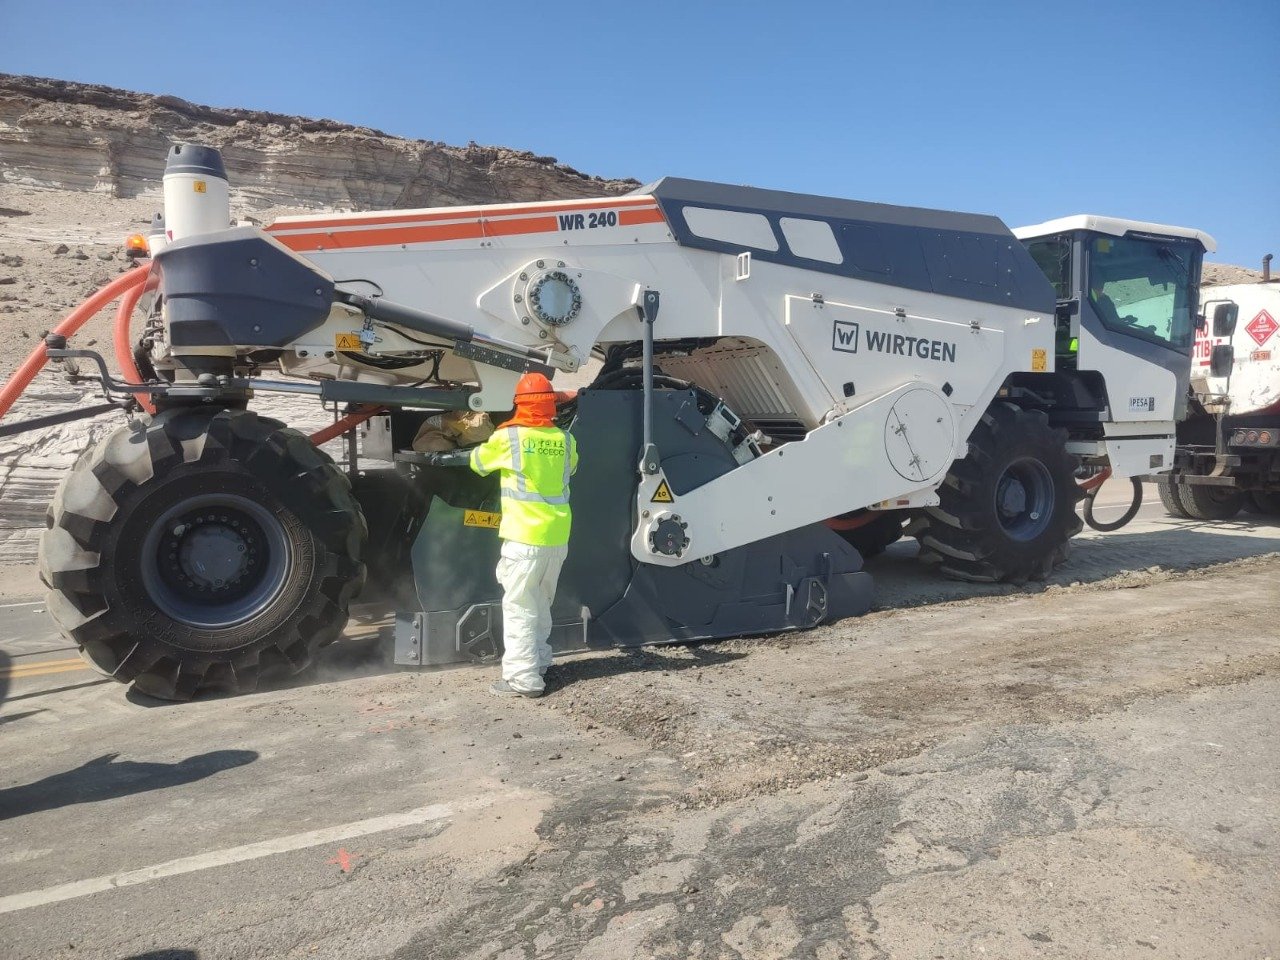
(536, 463)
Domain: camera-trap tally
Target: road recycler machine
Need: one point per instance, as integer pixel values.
(786, 383)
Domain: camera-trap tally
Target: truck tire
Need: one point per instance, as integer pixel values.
(1266, 503)
(875, 537)
(1206, 502)
(1008, 509)
(1171, 500)
(197, 551)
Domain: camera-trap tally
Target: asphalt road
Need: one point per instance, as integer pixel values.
(1084, 769)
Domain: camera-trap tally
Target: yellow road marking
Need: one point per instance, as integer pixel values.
(43, 669)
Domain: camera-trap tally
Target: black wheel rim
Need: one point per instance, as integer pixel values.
(215, 561)
(1025, 499)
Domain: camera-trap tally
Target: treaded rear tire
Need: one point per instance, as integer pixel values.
(1267, 504)
(1172, 502)
(104, 592)
(964, 534)
(1205, 502)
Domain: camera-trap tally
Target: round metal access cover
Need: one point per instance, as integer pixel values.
(919, 435)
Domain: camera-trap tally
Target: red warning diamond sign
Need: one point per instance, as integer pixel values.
(1262, 327)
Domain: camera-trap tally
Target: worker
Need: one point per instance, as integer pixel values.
(535, 459)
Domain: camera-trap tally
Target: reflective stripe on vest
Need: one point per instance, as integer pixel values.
(522, 491)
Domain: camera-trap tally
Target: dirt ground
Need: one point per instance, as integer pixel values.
(1084, 768)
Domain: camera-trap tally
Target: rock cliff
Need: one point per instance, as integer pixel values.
(83, 137)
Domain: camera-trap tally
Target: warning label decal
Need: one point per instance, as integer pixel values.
(662, 494)
(481, 518)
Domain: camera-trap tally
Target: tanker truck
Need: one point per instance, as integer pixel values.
(1228, 454)
(782, 378)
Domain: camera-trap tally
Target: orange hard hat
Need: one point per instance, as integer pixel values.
(533, 383)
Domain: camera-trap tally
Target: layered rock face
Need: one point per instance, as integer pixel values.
(82, 137)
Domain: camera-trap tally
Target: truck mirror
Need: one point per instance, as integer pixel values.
(1222, 359)
(1201, 323)
(1224, 319)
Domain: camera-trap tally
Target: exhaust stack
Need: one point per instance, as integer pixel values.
(1266, 268)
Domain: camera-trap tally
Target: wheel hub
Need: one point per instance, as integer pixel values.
(213, 551)
(214, 561)
(1024, 499)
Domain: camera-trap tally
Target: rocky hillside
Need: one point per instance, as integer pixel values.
(83, 137)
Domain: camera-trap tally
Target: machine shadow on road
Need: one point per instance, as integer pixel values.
(902, 582)
(105, 779)
(565, 673)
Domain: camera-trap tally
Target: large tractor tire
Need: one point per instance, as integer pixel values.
(1267, 504)
(1008, 509)
(198, 551)
(1205, 502)
(1171, 499)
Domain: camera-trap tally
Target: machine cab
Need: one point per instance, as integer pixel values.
(1127, 306)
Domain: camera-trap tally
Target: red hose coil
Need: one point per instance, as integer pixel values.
(74, 321)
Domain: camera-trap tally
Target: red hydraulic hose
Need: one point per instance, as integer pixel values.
(853, 523)
(349, 422)
(1094, 482)
(73, 322)
(123, 341)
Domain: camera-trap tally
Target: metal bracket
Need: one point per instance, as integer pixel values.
(470, 350)
(648, 307)
(474, 635)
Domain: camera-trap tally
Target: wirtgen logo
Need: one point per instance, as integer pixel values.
(845, 335)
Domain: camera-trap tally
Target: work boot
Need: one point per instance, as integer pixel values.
(501, 688)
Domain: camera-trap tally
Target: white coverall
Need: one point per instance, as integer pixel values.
(528, 577)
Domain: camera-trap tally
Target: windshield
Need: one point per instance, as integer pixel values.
(1053, 256)
(1144, 287)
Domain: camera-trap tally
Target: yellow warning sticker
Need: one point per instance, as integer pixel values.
(199, 186)
(662, 494)
(481, 518)
(1039, 360)
(347, 341)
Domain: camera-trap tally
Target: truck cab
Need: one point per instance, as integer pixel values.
(1127, 305)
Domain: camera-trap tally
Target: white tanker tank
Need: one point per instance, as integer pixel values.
(1253, 385)
(1228, 456)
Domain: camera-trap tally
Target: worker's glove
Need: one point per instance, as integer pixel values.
(448, 458)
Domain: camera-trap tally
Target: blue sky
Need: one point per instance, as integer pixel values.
(1166, 111)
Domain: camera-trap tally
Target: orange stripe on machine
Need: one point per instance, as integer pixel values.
(456, 213)
(386, 234)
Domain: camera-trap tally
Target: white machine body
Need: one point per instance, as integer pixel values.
(880, 384)
(863, 342)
